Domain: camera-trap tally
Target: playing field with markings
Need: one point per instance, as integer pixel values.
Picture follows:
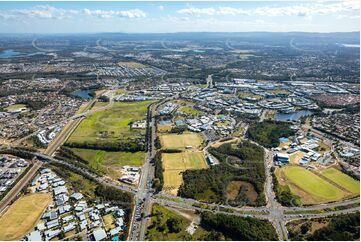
(180, 141)
(22, 216)
(342, 179)
(309, 186)
(175, 163)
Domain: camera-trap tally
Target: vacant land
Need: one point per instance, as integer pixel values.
(108, 221)
(175, 163)
(310, 187)
(112, 124)
(296, 156)
(342, 179)
(163, 128)
(234, 188)
(166, 224)
(23, 215)
(180, 141)
(109, 162)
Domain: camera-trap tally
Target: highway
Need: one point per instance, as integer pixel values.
(24, 181)
(143, 202)
(144, 195)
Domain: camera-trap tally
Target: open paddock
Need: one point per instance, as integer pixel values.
(21, 217)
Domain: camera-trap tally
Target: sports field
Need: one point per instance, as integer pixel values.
(108, 162)
(22, 216)
(15, 107)
(342, 179)
(111, 125)
(131, 64)
(180, 141)
(309, 186)
(175, 163)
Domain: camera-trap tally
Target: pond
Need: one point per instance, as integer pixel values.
(82, 93)
(292, 116)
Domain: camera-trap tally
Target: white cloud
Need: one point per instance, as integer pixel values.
(307, 9)
(161, 7)
(198, 11)
(132, 13)
(49, 12)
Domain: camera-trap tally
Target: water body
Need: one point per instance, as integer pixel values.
(10, 53)
(292, 116)
(82, 93)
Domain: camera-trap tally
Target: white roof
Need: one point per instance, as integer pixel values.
(34, 236)
(59, 190)
(282, 155)
(99, 234)
(77, 196)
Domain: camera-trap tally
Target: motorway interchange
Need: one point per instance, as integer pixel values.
(144, 195)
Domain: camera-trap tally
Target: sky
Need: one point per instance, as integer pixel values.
(179, 16)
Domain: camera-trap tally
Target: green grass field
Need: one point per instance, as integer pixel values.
(175, 163)
(111, 125)
(108, 162)
(180, 141)
(189, 110)
(313, 187)
(342, 179)
(15, 107)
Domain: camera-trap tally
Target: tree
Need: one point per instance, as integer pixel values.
(174, 225)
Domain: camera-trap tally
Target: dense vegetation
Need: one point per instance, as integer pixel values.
(344, 227)
(158, 180)
(109, 193)
(237, 228)
(131, 145)
(267, 133)
(284, 194)
(209, 185)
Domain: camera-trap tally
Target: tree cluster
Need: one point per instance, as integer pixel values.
(237, 228)
(267, 133)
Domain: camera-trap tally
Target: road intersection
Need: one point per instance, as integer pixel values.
(144, 194)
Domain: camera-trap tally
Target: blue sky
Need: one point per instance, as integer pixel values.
(180, 16)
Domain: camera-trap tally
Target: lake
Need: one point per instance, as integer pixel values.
(82, 93)
(292, 116)
(10, 53)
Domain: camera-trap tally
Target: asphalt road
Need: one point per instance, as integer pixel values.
(144, 197)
